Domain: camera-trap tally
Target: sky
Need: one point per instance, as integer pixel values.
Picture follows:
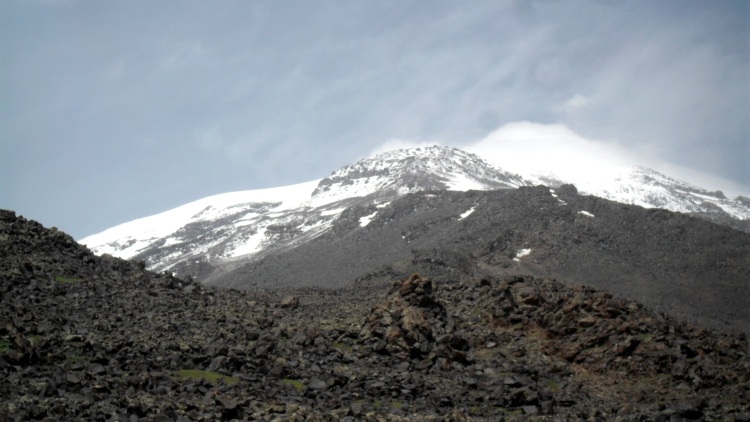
(115, 110)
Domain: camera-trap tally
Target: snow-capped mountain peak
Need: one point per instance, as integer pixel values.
(231, 227)
(223, 231)
(399, 172)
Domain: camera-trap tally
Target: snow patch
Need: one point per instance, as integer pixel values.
(586, 213)
(521, 253)
(363, 221)
(461, 182)
(467, 213)
(249, 245)
(171, 241)
(144, 231)
(327, 213)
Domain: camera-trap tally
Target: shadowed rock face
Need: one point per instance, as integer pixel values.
(86, 337)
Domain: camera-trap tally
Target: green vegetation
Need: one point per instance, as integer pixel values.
(342, 346)
(645, 336)
(514, 412)
(212, 377)
(552, 385)
(297, 384)
(62, 279)
(404, 264)
(4, 345)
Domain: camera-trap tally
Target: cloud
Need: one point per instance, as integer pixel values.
(211, 139)
(530, 148)
(182, 56)
(534, 148)
(575, 104)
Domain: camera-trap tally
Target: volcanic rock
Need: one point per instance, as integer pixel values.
(97, 338)
(411, 323)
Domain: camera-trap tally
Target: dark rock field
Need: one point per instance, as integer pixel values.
(101, 339)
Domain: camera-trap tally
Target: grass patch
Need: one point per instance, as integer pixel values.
(552, 385)
(212, 377)
(4, 345)
(69, 280)
(397, 404)
(644, 336)
(297, 384)
(402, 265)
(342, 346)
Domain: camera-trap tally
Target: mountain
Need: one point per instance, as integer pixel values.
(647, 188)
(686, 267)
(215, 235)
(86, 337)
(223, 230)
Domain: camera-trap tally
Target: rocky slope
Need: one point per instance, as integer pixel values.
(689, 268)
(97, 338)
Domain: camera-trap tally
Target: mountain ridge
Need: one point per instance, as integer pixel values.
(225, 230)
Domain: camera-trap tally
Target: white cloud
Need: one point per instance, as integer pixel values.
(535, 148)
(530, 148)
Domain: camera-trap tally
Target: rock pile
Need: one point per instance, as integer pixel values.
(411, 324)
(583, 325)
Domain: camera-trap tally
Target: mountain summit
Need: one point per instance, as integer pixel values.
(396, 173)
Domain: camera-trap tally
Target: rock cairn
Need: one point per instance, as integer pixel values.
(412, 324)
